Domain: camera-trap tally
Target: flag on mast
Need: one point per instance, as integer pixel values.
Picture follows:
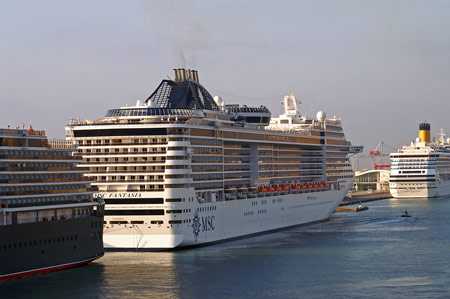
(31, 128)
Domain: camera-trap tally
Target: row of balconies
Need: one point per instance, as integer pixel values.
(49, 158)
(131, 181)
(34, 169)
(288, 162)
(289, 169)
(136, 172)
(126, 153)
(43, 192)
(119, 142)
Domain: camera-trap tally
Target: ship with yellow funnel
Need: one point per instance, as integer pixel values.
(421, 169)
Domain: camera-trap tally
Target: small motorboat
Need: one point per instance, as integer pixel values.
(406, 214)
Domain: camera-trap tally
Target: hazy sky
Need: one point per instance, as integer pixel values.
(381, 66)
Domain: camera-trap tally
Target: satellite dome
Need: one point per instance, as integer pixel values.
(219, 101)
(321, 116)
(418, 140)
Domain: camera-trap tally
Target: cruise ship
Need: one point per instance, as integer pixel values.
(421, 169)
(48, 218)
(182, 168)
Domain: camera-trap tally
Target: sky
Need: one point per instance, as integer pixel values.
(382, 66)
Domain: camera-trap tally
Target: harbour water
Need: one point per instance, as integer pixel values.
(371, 254)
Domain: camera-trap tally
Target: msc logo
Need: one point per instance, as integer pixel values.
(202, 224)
(208, 223)
(196, 226)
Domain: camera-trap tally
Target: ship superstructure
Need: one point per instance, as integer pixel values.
(421, 169)
(183, 168)
(48, 218)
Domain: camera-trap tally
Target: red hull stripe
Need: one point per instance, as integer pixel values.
(47, 269)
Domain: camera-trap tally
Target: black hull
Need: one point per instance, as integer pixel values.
(51, 245)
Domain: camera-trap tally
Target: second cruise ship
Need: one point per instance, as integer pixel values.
(184, 169)
(421, 169)
(48, 218)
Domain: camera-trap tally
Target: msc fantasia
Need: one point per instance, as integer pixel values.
(185, 169)
(421, 169)
(48, 219)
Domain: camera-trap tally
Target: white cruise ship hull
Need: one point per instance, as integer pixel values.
(185, 169)
(217, 221)
(421, 169)
(424, 190)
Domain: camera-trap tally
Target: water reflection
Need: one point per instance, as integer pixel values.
(71, 283)
(376, 253)
(138, 275)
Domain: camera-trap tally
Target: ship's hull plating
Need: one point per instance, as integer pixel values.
(424, 190)
(218, 221)
(46, 246)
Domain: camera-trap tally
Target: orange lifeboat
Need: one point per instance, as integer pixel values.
(278, 188)
(271, 189)
(286, 188)
(262, 189)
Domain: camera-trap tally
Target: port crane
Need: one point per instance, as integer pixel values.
(379, 157)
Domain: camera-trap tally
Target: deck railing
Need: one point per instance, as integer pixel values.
(61, 143)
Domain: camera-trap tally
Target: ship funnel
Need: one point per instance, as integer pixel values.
(177, 75)
(191, 74)
(424, 132)
(196, 76)
(183, 74)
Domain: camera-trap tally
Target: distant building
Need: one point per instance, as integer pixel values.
(372, 180)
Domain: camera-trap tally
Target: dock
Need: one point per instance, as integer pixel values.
(359, 197)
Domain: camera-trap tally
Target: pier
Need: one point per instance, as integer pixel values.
(358, 198)
(363, 196)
